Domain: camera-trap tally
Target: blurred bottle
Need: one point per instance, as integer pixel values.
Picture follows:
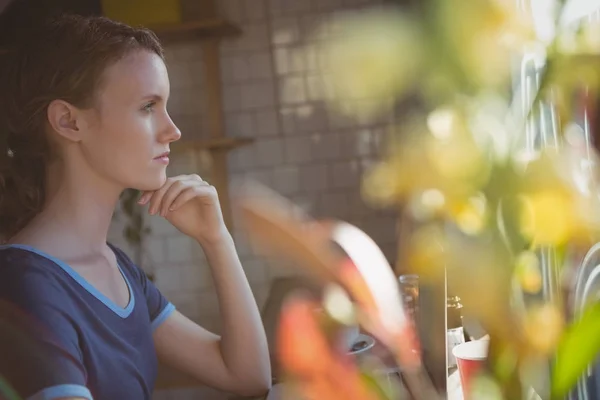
(455, 331)
(409, 288)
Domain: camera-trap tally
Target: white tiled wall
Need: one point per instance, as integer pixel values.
(274, 92)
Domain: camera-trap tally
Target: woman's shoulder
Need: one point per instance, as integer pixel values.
(18, 262)
(28, 279)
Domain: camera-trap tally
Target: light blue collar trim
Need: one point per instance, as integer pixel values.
(121, 312)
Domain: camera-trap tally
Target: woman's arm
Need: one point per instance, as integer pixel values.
(238, 361)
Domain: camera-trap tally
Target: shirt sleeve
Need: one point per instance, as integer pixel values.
(40, 357)
(159, 308)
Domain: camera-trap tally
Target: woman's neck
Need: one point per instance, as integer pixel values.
(77, 213)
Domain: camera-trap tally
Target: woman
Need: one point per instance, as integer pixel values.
(82, 117)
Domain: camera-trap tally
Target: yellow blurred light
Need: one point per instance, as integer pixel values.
(442, 122)
(547, 217)
(338, 305)
(544, 326)
(368, 56)
(528, 272)
(471, 217)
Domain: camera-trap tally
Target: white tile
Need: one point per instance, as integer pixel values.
(261, 176)
(314, 177)
(260, 65)
(311, 118)
(289, 60)
(328, 5)
(168, 279)
(319, 88)
(179, 249)
(286, 180)
(285, 31)
(269, 152)
(326, 146)
(195, 276)
(232, 98)
(191, 101)
(287, 118)
(178, 75)
(357, 2)
(338, 120)
(209, 302)
(267, 123)
(233, 10)
(242, 159)
(160, 226)
(297, 149)
(292, 90)
(312, 58)
(274, 7)
(156, 250)
(256, 271)
(255, 10)
(195, 70)
(314, 27)
(336, 204)
(257, 95)
(294, 7)
(345, 174)
(226, 64)
(240, 124)
(364, 142)
(255, 37)
(240, 68)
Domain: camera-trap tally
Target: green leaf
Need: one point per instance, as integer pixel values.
(579, 347)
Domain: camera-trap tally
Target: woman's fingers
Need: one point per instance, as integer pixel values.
(158, 195)
(199, 190)
(172, 193)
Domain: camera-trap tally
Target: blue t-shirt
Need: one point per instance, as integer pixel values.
(60, 337)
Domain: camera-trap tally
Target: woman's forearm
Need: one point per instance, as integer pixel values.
(243, 341)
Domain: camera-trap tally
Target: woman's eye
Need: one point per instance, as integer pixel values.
(148, 107)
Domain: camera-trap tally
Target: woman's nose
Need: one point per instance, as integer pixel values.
(172, 133)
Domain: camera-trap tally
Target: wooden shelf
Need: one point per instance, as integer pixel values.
(217, 144)
(207, 29)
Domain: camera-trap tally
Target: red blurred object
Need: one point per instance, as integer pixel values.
(470, 358)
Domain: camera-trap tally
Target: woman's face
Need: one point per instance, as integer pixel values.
(131, 128)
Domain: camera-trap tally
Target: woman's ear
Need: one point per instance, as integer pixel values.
(64, 120)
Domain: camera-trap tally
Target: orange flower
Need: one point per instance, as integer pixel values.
(302, 348)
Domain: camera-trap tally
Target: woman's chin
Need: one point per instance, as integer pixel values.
(150, 185)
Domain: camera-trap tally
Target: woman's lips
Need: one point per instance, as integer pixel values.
(163, 158)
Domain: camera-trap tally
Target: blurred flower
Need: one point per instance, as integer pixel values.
(320, 371)
(302, 347)
(485, 388)
(528, 272)
(560, 199)
(482, 36)
(584, 39)
(471, 216)
(425, 252)
(544, 326)
(375, 56)
(338, 305)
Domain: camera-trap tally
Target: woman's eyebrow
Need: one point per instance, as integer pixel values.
(155, 97)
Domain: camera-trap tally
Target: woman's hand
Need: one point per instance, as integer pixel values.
(191, 205)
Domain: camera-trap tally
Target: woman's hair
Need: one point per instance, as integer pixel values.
(63, 58)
